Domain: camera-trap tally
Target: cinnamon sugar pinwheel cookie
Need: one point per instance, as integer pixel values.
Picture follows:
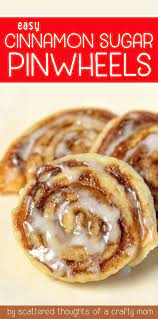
(84, 217)
(134, 139)
(67, 132)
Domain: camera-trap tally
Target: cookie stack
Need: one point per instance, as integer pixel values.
(89, 191)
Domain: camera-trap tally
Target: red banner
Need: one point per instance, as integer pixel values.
(78, 49)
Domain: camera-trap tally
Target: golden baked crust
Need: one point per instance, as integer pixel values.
(68, 132)
(84, 217)
(134, 139)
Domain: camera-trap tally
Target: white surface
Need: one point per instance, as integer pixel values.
(20, 281)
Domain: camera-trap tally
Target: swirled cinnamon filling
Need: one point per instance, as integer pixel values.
(73, 224)
(69, 218)
(134, 139)
(130, 123)
(64, 133)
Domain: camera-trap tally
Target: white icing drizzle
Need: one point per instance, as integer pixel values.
(129, 127)
(29, 141)
(47, 256)
(148, 222)
(127, 131)
(95, 268)
(131, 250)
(40, 170)
(28, 227)
(45, 177)
(95, 165)
(72, 175)
(89, 122)
(132, 197)
(110, 215)
(150, 143)
(61, 267)
(134, 202)
(62, 148)
(53, 229)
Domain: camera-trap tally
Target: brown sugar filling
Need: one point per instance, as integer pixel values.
(49, 200)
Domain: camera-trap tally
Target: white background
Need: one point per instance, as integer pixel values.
(80, 7)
